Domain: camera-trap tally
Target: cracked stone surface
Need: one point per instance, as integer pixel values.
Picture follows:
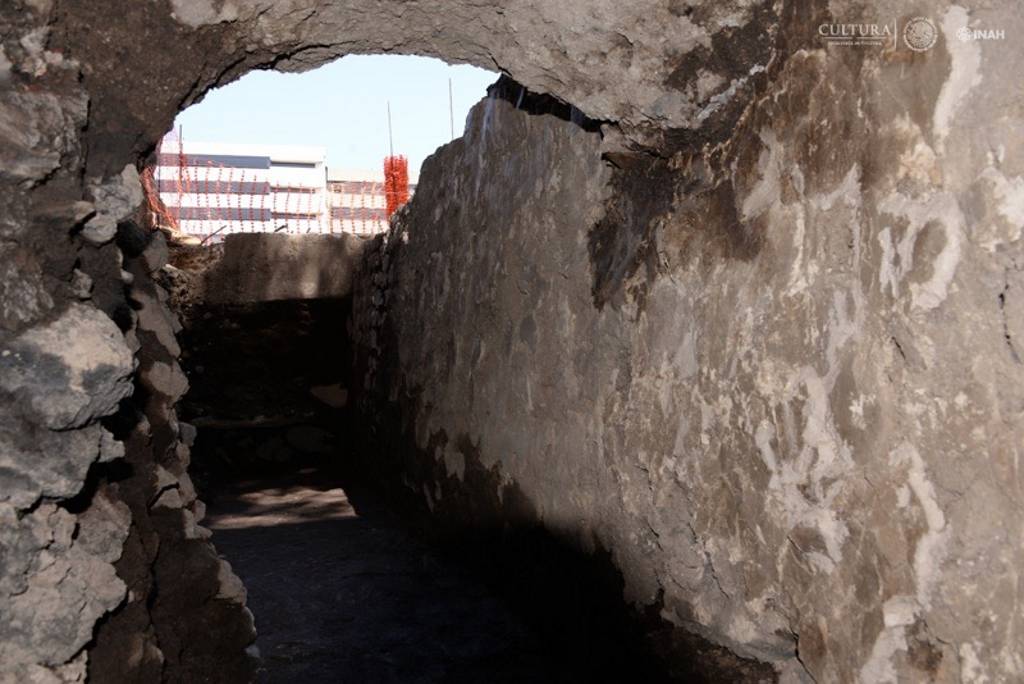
(788, 402)
(70, 371)
(57, 585)
(115, 199)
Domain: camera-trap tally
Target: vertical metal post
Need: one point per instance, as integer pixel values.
(451, 109)
(391, 142)
(181, 173)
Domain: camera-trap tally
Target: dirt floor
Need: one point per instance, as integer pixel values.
(342, 593)
(342, 590)
(348, 583)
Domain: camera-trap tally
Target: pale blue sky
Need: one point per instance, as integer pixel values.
(343, 106)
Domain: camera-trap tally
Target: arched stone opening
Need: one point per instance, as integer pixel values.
(613, 63)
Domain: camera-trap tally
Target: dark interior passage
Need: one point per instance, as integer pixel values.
(347, 596)
(349, 582)
(340, 589)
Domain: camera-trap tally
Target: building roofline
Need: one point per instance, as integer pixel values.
(363, 175)
(276, 153)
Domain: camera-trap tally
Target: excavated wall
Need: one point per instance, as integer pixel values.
(267, 267)
(789, 404)
(760, 339)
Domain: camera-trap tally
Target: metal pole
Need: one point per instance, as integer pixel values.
(391, 142)
(451, 109)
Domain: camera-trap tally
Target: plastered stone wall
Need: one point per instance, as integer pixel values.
(766, 352)
(266, 267)
(789, 402)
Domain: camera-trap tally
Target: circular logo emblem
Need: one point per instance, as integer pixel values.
(920, 34)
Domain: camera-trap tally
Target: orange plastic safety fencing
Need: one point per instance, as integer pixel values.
(396, 182)
(211, 200)
(160, 215)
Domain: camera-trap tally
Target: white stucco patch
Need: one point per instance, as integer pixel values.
(797, 278)
(455, 463)
(763, 440)
(964, 74)
(5, 66)
(971, 669)
(766, 191)
(848, 192)
(1009, 203)
(897, 613)
(930, 550)
(821, 458)
(724, 97)
(941, 208)
(879, 668)
(196, 13)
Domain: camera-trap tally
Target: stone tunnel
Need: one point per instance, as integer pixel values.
(702, 343)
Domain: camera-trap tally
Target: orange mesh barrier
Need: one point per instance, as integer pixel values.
(396, 182)
(210, 200)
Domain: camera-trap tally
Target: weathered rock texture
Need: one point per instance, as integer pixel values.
(266, 267)
(184, 617)
(778, 379)
(771, 362)
(99, 517)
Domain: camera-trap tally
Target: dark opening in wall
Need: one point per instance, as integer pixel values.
(348, 574)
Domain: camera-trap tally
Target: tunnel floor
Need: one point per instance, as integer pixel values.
(349, 582)
(342, 593)
(343, 588)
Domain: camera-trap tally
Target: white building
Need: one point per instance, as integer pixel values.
(213, 189)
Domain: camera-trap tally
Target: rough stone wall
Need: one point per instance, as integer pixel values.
(266, 267)
(778, 378)
(99, 520)
(184, 618)
(64, 365)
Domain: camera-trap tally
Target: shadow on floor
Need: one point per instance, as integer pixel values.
(340, 597)
(350, 582)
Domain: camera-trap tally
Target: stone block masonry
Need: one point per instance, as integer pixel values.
(262, 267)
